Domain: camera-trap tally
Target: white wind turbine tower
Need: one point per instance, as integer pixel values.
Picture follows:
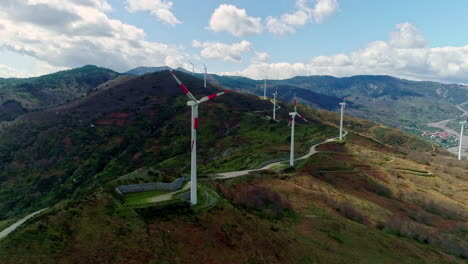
(193, 103)
(264, 89)
(292, 123)
(343, 105)
(193, 68)
(205, 75)
(274, 103)
(461, 138)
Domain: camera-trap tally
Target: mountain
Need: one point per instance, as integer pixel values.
(144, 70)
(402, 104)
(380, 196)
(18, 96)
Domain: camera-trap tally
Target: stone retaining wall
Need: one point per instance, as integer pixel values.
(152, 186)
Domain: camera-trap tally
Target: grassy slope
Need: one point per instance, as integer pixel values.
(309, 228)
(298, 216)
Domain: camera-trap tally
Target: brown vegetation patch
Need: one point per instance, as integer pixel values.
(255, 197)
(332, 147)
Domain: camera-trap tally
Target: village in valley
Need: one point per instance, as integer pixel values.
(442, 137)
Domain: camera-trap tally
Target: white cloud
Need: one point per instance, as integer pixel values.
(278, 27)
(79, 33)
(405, 55)
(99, 4)
(222, 51)
(322, 9)
(235, 21)
(158, 8)
(9, 72)
(261, 57)
(407, 36)
(304, 14)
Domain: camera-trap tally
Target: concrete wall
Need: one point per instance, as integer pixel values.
(153, 186)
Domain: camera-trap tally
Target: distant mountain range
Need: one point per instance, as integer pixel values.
(403, 104)
(396, 102)
(407, 105)
(145, 70)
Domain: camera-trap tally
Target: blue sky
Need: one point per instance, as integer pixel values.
(421, 40)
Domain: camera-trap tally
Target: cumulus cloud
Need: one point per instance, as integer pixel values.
(8, 72)
(85, 36)
(158, 8)
(407, 36)
(304, 14)
(222, 51)
(261, 57)
(235, 21)
(278, 27)
(404, 55)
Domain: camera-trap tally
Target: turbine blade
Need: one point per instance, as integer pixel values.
(211, 96)
(182, 86)
(302, 118)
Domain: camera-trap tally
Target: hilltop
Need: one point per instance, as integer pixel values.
(380, 196)
(19, 96)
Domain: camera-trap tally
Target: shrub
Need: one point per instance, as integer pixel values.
(380, 189)
(348, 211)
(258, 198)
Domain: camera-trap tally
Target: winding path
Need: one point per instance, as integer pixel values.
(312, 151)
(18, 223)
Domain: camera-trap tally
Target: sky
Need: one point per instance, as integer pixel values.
(417, 40)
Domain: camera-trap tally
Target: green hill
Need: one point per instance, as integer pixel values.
(18, 96)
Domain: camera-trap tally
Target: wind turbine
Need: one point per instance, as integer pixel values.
(292, 123)
(193, 68)
(264, 89)
(343, 105)
(193, 103)
(461, 138)
(295, 103)
(274, 103)
(205, 74)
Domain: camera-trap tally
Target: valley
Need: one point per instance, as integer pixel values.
(454, 135)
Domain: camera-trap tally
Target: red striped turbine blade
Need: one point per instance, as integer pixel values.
(302, 118)
(211, 96)
(182, 86)
(290, 122)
